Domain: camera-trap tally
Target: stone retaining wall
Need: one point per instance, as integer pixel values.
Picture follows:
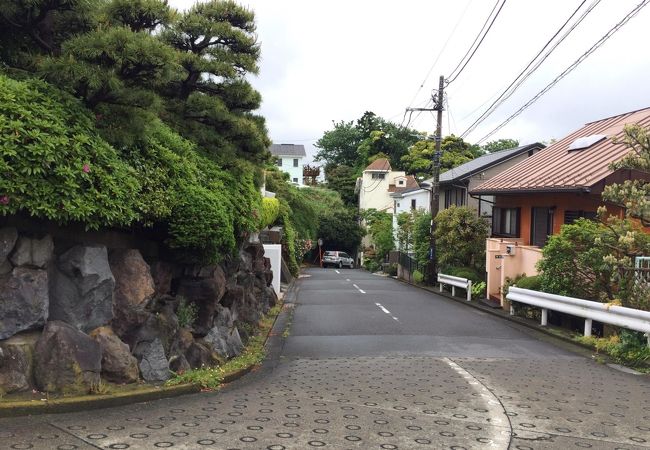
(74, 311)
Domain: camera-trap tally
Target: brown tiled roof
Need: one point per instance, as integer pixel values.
(556, 168)
(411, 183)
(379, 165)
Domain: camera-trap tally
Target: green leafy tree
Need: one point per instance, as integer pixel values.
(454, 152)
(595, 261)
(380, 228)
(341, 231)
(407, 233)
(342, 179)
(338, 147)
(354, 144)
(500, 144)
(460, 238)
(164, 128)
(633, 195)
(422, 237)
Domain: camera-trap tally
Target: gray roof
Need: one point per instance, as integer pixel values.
(287, 150)
(483, 162)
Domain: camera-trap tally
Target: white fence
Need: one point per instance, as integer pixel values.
(634, 319)
(455, 282)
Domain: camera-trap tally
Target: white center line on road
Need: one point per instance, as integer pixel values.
(337, 271)
(359, 289)
(380, 306)
(347, 279)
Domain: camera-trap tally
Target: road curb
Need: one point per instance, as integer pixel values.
(147, 394)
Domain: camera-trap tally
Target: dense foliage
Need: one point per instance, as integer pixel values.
(145, 118)
(352, 143)
(633, 195)
(454, 152)
(460, 238)
(595, 261)
(52, 163)
(380, 228)
(310, 213)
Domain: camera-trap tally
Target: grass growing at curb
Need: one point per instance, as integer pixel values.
(632, 354)
(252, 355)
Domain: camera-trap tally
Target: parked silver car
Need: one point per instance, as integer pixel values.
(337, 259)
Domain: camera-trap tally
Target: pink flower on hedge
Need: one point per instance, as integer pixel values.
(86, 168)
(4, 200)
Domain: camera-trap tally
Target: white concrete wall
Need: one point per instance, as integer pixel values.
(274, 253)
(294, 172)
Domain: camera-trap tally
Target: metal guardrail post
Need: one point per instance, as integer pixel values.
(544, 317)
(588, 325)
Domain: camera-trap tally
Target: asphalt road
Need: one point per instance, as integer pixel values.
(373, 363)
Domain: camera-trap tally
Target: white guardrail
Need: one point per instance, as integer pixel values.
(634, 319)
(455, 282)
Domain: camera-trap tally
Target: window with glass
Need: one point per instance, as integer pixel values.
(295, 162)
(454, 197)
(505, 222)
(278, 161)
(378, 176)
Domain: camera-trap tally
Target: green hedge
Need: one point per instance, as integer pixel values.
(55, 166)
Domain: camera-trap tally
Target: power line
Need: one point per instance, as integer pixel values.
(461, 66)
(453, 31)
(570, 68)
(526, 73)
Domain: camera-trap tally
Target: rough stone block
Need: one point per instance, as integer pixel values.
(16, 362)
(33, 252)
(66, 360)
(24, 300)
(153, 363)
(81, 288)
(118, 364)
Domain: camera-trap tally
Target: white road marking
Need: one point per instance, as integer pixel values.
(347, 279)
(337, 271)
(496, 411)
(359, 289)
(380, 306)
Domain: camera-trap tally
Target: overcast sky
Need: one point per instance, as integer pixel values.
(325, 61)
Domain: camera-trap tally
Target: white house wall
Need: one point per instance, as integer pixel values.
(295, 173)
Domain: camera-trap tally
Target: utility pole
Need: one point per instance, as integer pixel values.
(435, 185)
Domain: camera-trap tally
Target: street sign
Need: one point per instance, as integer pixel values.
(320, 242)
(498, 256)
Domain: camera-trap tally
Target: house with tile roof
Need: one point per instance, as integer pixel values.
(375, 187)
(555, 186)
(288, 158)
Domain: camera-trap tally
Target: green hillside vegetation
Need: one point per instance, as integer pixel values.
(131, 114)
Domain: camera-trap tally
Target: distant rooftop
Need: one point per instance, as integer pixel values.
(287, 150)
(484, 162)
(379, 165)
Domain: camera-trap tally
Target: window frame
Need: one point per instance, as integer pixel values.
(296, 162)
(499, 214)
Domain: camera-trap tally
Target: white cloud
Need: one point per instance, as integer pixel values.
(333, 60)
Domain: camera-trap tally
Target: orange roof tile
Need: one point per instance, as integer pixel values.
(556, 168)
(379, 165)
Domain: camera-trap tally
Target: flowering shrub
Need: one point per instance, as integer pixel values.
(53, 165)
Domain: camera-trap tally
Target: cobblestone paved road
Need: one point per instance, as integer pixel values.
(372, 363)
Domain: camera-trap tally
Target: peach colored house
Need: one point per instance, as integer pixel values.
(557, 185)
